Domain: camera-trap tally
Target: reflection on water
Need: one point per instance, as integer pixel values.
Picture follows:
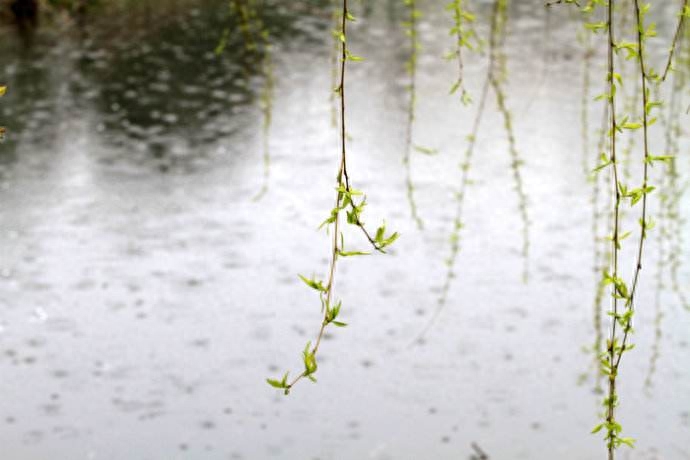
(149, 74)
(144, 296)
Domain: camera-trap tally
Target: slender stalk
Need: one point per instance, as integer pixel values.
(663, 237)
(465, 37)
(672, 148)
(345, 200)
(684, 13)
(334, 72)
(631, 105)
(601, 258)
(458, 225)
(267, 96)
(612, 395)
(584, 102)
(493, 80)
(257, 44)
(343, 180)
(411, 26)
(243, 8)
(458, 17)
(645, 180)
(617, 345)
(497, 76)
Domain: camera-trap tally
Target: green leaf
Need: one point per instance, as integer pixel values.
(309, 358)
(630, 442)
(312, 283)
(275, 383)
(621, 288)
(380, 232)
(351, 57)
(595, 26)
(353, 253)
(604, 162)
(282, 383)
(631, 125)
(331, 219)
(455, 87)
(662, 158)
(425, 150)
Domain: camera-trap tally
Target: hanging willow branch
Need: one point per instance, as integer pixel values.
(411, 65)
(602, 255)
(350, 201)
(669, 230)
(497, 79)
(675, 192)
(256, 39)
(266, 99)
(465, 37)
(613, 428)
(682, 17)
(495, 75)
(335, 68)
(458, 222)
(622, 315)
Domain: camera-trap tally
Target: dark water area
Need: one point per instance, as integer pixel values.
(146, 294)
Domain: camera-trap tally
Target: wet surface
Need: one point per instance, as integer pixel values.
(145, 296)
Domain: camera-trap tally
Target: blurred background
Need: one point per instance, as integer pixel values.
(153, 223)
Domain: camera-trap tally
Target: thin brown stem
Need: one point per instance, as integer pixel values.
(343, 179)
(611, 400)
(643, 220)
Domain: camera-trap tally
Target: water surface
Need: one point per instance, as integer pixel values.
(145, 296)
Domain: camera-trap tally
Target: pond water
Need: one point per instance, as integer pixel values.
(145, 295)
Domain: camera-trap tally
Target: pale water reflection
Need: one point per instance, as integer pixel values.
(144, 297)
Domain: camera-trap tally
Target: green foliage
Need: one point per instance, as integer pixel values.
(632, 122)
(621, 324)
(495, 78)
(622, 315)
(349, 201)
(465, 38)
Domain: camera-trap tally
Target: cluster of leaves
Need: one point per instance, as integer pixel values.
(350, 202)
(621, 292)
(465, 38)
